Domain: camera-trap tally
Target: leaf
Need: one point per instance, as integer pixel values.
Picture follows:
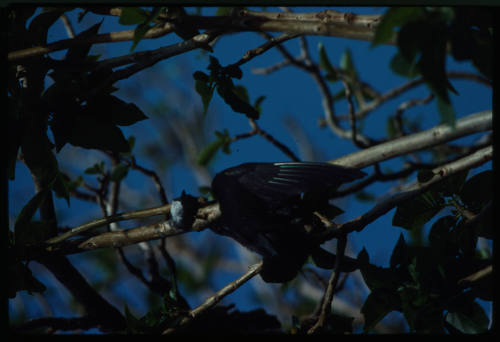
(21, 279)
(377, 305)
(425, 175)
(109, 108)
(208, 153)
(206, 92)
(223, 11)
(399, 256)
(442, 239)
(29, 210)
(414, 213)
(201, 76)
(395, 16)
(132, 16)
(119, 172)
(61, 186)
(257, 104)
(88, 133)
(97, 168)
(478, 191)
(347, 64)
(233, 96)
(324, 63)
(79, 53)
(144, 27)
(401, 66)
(446, 112)
(40, 25)
(470, 319)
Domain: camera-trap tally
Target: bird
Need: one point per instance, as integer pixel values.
(265, 207)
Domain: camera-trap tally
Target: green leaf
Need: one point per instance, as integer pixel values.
(206, 91)
(208, 153)
(347, 64)
(144, 27)
(324, 63)
(446, 112)
(414, 213)
(395, 16)
(258, 102)
(223, 11)
(132, 16)
(119, 172)
(401, 66)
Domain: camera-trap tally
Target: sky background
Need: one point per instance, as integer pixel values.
(290, 93)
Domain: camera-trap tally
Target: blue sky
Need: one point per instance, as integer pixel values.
(289, 93)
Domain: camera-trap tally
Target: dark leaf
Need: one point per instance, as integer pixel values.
(206, 91)
(201, 76)
(21, 279)
(324, 63)
(399, 256)
(79, 53)
(97, 168)
(41, 23)
(478, 191)
(414, 213)
(88, 133)
(233, 97)
(377, 305)
(394, 17)
(132, 16)
(401, 66)
(110, 109)
(347, 65)
(424, 176)
(119, 172)
(469, 319)
(61, 186)
(27, 213)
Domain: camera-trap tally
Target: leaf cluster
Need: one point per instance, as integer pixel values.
(220, 79)
(424, 37)
(424, 281)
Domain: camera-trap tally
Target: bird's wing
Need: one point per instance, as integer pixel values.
(286, 179)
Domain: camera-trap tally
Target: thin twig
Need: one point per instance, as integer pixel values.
(332, 284)
(218, 296)
(273, 141)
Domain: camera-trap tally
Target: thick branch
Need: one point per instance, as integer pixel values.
(358, 224)
(473, 123)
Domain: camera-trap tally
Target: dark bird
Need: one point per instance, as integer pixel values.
(265, 206)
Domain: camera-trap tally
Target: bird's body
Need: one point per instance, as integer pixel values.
(265, 206)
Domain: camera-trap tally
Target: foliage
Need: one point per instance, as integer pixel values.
(56, 102)
(424, 281)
